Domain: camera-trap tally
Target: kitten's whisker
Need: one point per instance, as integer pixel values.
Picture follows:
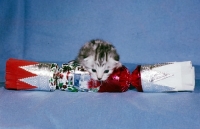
(101, 83)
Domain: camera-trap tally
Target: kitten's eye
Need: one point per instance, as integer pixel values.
(93, 70)
(106, 71)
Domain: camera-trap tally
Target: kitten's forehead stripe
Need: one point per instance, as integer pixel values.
(101, 52)
(96, 52)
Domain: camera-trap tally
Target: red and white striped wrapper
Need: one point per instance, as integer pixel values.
(28, 75)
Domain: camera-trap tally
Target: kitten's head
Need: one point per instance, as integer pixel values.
(99, 58)
(100, 70)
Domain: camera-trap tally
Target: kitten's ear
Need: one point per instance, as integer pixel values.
(85, 59)
(118, 64)
(89, 58)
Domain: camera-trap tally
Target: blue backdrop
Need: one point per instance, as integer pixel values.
(143, 31)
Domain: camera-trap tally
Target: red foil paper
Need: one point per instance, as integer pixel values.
(118, 81)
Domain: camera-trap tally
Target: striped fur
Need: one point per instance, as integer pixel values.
(99, 58)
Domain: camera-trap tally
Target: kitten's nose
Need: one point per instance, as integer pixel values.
(99, 79)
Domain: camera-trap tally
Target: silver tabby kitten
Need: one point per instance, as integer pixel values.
(99, 58)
